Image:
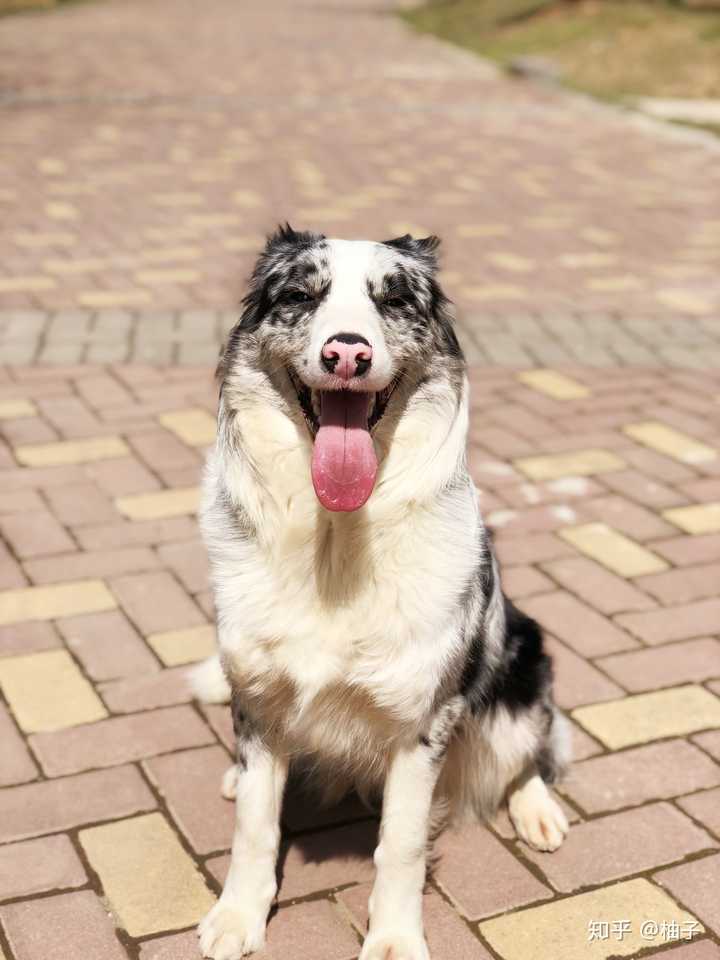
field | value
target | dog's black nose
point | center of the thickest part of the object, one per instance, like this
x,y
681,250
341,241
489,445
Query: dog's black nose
x,y
347,355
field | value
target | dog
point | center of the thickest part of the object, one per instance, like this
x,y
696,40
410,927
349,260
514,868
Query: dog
x,y
362,627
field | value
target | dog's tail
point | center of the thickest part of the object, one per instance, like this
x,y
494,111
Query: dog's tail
x,y
208,683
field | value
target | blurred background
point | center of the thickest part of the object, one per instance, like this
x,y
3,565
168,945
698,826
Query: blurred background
x,y
567,154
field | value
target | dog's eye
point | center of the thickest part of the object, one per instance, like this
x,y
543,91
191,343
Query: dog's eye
x,y
396,302
296,296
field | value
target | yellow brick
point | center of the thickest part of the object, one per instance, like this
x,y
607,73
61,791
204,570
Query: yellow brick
x,y
613,550
318,214
651,716
114,298
244,244
496,291
512,262
578,260
47,691
554,384
559,930
148,879
184,646
658,436
12,409
247,198
76,266
194,425
71,451
154,277
400,227
51,165
701,518
34,240
685,301
58,600
578,463
21,284
163,503
61,211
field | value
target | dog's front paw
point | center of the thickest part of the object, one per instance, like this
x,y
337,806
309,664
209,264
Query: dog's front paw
x,y
538,819
394,946
229,933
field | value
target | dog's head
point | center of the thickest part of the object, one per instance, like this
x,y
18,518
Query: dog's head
x,y
338,326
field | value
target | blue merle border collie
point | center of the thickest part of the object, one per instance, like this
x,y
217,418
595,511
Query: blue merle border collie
x,y
363,632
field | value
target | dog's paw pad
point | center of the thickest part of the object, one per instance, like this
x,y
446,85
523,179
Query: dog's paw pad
x,y
394,947
228,934
539,821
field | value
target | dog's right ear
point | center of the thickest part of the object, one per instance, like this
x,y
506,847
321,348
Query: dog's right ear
x,y
280,248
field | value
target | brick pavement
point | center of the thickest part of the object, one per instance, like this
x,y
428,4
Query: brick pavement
x,y
581,246
603,487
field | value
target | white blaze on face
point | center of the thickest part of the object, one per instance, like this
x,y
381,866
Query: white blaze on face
x,y
344,463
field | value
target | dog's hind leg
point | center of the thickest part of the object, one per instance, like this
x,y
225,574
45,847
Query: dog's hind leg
x,y
395,907
236,924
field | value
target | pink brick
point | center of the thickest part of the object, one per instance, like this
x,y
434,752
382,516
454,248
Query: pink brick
x,y
155,602
189,563
703,491
687,662
161,450
19,501
646,489
122,477
81,503
103,391
703,950
448,937
119,740
576,624
88,565
320,861
658,771
162,689
533,548
696,885
686,551
35,866
481,876
657,465
71,417
710,742
11,574
578,682
67,927
596,586
220,720
27,430
683,586
107,645
54,805
21,479
190,783
629,518
704,807
35,534
620,845
673,623
22,638
17,765
582,744
143,532
524,581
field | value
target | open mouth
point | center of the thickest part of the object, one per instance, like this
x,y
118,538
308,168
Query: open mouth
x,y
344,464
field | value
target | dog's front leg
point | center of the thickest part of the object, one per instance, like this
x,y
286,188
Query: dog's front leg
x,y
395,907
236,924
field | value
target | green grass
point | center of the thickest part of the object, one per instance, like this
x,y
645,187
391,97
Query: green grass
x,y
610,48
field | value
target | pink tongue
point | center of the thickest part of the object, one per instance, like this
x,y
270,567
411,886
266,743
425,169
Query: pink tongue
x,y
344,464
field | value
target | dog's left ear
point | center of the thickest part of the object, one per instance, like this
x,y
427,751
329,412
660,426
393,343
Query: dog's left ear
x,y
424,249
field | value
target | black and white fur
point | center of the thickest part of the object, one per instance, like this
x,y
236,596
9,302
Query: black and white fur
x,y
375,647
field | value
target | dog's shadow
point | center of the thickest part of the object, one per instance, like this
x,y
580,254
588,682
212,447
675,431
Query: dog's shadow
x,y
327,845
